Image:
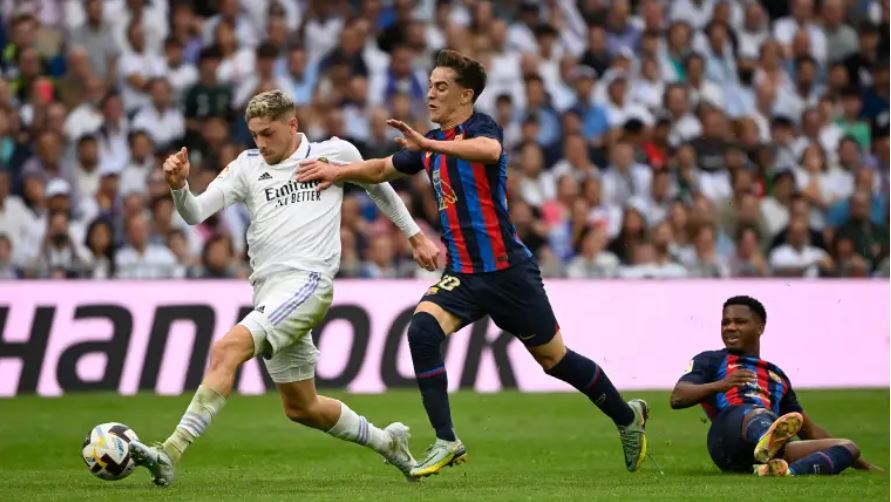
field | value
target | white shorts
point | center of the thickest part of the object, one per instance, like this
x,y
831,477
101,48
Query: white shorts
x,y
285,311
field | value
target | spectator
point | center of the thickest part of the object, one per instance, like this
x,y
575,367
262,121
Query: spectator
x,y
864,181
536,184
775,207
86,168
702,90
850,122
867,56
100,247
8,270
850,263
647,265
797,257
870,240
633,232
97,38
180,73
841,39
300,74
217,259
593,260
60,256
15,219
139,66
656,204
140,259
819,184
86,117
624,178
748,261
135,176
163,121
264,79
706,262
398,78
237,60
113,133
209,97
575,161
531,230
47,161
380,261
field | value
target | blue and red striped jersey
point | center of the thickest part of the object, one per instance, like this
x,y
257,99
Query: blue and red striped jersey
x,y
472,198
772,391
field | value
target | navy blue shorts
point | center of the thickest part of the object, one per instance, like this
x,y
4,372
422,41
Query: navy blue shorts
x,y
514,298
727,444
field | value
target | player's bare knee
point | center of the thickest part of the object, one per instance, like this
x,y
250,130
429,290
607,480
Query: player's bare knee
x,y
306,414
549,354
851,447
547,361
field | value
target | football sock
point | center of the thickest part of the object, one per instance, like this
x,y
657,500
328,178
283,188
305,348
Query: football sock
x,y
586,376
758,426
357,429
205,405
829,461
424,340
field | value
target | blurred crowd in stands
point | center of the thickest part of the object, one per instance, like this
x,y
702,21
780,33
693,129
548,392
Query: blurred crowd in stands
x,y
646,139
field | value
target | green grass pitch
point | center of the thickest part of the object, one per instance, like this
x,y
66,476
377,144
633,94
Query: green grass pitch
x,y
521,446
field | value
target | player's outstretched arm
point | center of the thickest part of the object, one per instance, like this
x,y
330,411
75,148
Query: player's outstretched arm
x,y
366,172
687,394
193,209
479,149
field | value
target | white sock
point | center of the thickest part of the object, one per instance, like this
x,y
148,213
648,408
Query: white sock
x,y
357,429
205,405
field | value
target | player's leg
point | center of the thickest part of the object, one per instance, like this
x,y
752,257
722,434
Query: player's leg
x,y
302,404
226,355
816,456
726,445
519,304
768,433
292,369
429,326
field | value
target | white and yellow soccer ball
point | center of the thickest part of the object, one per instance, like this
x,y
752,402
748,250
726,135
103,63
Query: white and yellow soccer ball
x,y
106,451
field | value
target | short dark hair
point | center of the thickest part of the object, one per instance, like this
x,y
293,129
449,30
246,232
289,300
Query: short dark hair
x,y
469,73
754,305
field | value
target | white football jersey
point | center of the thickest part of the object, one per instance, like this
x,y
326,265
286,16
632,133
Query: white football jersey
x,y
292,226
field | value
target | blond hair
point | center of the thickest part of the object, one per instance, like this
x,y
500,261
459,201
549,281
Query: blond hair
x,y
270,104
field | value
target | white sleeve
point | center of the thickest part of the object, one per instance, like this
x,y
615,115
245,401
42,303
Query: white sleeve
x,y
223,191
383,195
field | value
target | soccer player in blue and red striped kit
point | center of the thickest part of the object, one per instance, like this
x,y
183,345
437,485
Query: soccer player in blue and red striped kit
x,y
489,270
752,407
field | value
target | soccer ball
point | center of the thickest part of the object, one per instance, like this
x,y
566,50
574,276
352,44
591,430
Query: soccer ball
x,y
106,451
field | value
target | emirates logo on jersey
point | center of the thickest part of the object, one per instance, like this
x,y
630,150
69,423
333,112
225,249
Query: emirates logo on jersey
x,y
293,192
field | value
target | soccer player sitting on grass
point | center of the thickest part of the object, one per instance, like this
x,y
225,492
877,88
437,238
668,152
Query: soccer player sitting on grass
x,y
753,409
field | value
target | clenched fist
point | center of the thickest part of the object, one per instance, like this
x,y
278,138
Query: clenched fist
x,y
176,169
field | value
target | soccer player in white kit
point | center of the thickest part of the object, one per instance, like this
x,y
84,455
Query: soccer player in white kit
x,y
294,249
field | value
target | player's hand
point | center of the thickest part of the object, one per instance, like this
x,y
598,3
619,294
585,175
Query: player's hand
x,y
737,378
176,169
424,251
411,139
316,170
